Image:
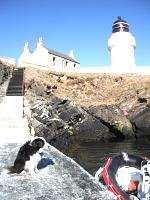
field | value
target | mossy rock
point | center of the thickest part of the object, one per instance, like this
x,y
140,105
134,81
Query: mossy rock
x,y
126,129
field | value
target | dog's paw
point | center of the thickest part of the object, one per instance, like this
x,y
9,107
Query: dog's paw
x,y
36,170
33,174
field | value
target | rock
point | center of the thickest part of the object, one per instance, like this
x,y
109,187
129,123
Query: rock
x,y
114,118
139,114
92,129
36,88
5,72
142,100
60,121
140,117
59,178
56,134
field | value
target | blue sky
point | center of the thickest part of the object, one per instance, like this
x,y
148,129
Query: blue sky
x,y
81,25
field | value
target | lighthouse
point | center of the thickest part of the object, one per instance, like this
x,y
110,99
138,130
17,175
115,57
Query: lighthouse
x,y
121,45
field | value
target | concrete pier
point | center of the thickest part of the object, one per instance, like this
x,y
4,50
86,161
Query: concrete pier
x,y
13,126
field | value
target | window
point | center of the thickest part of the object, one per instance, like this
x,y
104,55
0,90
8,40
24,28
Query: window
x,y
66,63
54,59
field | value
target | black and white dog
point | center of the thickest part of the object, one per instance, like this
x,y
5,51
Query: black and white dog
x,y
29,156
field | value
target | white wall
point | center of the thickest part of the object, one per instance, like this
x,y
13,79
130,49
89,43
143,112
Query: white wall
x,y
122,45
143,70
42,57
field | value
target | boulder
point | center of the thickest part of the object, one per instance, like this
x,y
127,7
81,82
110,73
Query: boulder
x,y
113,117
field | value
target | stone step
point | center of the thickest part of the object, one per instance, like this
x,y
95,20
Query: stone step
x,y
14,93
15,87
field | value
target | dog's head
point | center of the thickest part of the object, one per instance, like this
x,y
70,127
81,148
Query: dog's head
x,y
39,144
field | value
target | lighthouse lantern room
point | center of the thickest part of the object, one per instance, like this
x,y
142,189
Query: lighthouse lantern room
x,y
121,45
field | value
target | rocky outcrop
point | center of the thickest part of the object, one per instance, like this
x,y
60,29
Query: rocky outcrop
x,y
59,178
106,106
5,72
61,121
139,115
114,118
136,105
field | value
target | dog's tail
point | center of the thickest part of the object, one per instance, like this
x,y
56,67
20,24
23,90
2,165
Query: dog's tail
x,y
5,170
13,170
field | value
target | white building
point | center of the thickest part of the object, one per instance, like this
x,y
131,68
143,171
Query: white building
x,y
121,45
46,58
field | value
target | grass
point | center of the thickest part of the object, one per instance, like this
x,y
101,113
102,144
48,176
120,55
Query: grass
x,y
88,89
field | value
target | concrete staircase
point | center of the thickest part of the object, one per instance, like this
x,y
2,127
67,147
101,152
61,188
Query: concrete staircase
x,y
15,87
13,126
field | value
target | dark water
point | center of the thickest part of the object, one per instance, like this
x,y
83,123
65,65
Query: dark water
x,y
92,155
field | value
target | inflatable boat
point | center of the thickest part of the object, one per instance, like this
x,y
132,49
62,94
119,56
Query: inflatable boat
x,y
126,176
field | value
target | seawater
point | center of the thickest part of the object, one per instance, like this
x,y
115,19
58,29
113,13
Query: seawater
x,y
92,155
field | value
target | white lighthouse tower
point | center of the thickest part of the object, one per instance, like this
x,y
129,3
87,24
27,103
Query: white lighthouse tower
x,y
121,45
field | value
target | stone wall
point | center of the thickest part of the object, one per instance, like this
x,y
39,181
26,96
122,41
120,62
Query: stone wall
x,y
8,61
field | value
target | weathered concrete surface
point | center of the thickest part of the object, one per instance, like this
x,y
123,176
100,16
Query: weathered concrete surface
x,y
59,178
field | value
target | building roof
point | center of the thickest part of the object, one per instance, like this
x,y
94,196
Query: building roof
x,y
50,51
